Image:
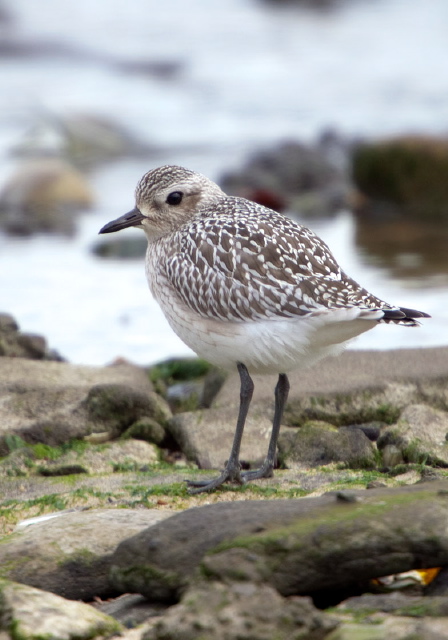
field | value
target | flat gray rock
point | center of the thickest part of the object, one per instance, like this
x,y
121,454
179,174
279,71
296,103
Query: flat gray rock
x,y
69,554
352,370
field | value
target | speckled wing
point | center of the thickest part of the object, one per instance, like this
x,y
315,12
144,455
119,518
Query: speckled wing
x,y
252,263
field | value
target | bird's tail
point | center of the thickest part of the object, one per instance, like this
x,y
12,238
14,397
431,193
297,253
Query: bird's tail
x,y
403,316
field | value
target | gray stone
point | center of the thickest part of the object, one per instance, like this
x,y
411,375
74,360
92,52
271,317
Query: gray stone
x,y
317,444
120,405
392,628
53,402
206,436
398,603
146,429
14,343
391,456
8,323
420,375
42,196
69,554
295,177
29,614
213,383
130,609
420,435
241,611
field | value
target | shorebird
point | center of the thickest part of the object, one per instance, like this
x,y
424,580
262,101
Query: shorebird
x,y
246,287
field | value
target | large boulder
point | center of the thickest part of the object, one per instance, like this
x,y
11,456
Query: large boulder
x,y
54,402
290,544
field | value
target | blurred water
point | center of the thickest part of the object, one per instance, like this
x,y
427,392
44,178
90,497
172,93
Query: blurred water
x,y
251,74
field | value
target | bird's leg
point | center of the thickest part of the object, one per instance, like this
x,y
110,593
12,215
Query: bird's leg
x,y
232,471
281,397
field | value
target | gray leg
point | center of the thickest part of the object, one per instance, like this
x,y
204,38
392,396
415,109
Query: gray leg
x,y
232,471
281,397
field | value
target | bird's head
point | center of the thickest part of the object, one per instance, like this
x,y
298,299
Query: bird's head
x,y
165,199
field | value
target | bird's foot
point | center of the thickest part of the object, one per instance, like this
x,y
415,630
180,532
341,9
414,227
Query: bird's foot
x,y
231,473
265,471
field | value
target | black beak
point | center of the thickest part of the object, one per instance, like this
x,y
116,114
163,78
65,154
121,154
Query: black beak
x,y
132,219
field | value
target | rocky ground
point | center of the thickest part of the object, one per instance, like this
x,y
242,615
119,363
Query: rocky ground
x,y
101,538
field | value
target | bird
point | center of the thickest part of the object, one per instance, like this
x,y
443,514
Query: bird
x,y
246,288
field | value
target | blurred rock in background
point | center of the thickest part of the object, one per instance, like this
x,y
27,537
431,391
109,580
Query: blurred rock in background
x,y
405,175
311,180
44,195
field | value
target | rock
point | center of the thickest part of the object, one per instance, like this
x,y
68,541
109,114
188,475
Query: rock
x,y
408,620
354,391
146,429
129,609
318,443
69,554
290,544
420,435
379,627
29,614
398,603
238,610
404,175
293,177
391,456
15,344
206,436
42,196
118,406
54,402
184,396
371,429
374,539
115,456
86,140
213,383
184,382
398,376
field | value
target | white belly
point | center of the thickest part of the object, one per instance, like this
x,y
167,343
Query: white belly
x,y
267,346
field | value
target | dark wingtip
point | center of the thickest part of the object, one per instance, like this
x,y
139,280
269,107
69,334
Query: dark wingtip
x,y
413,313
394,314
404,316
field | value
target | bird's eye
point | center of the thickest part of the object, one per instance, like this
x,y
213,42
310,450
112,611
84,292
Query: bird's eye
x,y
175,197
